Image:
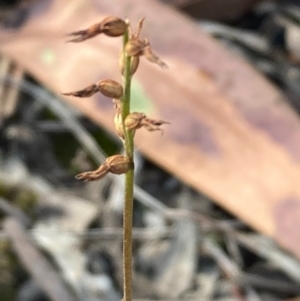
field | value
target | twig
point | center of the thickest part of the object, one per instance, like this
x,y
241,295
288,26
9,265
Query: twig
x,y
248,280
227,265
230,269
110,233
267,249
279,286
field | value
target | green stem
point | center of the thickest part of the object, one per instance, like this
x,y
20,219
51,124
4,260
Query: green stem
x,y
129,182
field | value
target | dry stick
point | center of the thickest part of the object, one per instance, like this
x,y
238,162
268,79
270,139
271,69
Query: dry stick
x,y
37,265
139,234
230,269
267,249
129,180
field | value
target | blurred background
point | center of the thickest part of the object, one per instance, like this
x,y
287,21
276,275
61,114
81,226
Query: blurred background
x,y
217,196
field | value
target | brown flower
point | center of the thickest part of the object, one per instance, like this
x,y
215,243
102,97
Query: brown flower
x,y
119,164
110,88
137,120
136,47
110,26
116,164
107,87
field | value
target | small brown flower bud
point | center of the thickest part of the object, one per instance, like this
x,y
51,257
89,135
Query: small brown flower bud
x,y
119,125
113,27
107,87
116,164
133,120
119,164
137,120
135,47
110,26
134,63
110,88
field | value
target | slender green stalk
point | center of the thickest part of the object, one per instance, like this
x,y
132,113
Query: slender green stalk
x,y
129,182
